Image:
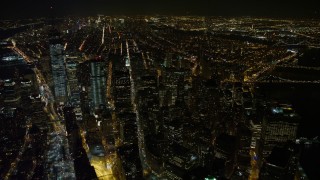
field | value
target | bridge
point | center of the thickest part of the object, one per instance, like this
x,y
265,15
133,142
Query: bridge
x,y
272,79
268,67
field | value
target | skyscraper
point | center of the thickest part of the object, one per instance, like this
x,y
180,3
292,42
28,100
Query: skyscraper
x,y
97,92
73,87
58,68
280,125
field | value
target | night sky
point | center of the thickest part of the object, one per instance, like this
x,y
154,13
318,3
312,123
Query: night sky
x,y
265,8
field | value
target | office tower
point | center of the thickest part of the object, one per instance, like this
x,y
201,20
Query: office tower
x,y
256,128
83,75
35,109
58,68
73,87
168,60
28,82
128,128
122,91
225,146
147,97
131,164
163,100
224,153
106,128
244,136
173,78
16,79
280,164
11,93
9,58
309,158
279,125
97,91
83,169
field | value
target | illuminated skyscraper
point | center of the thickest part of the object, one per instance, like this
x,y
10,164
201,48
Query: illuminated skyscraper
x,y
72,88
58,68
280,125
97,92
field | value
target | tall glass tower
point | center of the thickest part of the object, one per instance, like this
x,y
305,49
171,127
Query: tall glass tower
x,y
98,84
58,68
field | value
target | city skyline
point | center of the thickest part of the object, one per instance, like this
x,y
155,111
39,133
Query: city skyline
x,y
117,90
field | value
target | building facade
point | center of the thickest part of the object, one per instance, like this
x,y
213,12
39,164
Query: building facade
x,y
58,68
97,92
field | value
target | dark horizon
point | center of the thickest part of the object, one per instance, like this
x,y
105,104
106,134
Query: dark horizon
x,y
17,9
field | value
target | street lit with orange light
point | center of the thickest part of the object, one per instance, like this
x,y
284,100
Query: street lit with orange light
x,y
254,173
57,137
102,167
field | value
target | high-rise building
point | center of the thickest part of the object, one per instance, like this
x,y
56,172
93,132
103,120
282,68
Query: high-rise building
x,y
244,137
122,91
279,125
280,164
131,164
58,68
106,128
168,60
128,128
97,92
11,93
73,87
